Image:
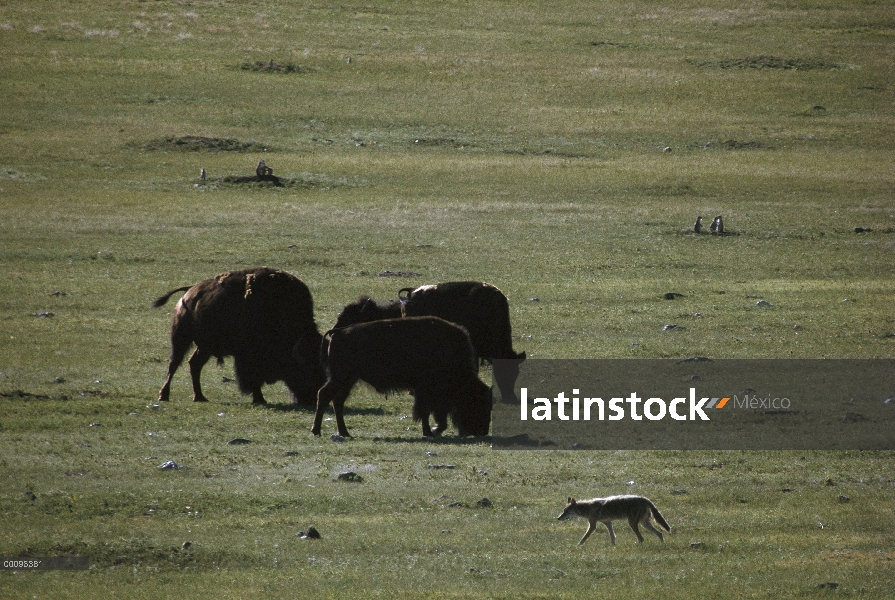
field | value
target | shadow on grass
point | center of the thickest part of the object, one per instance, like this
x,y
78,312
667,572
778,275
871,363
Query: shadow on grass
x,y
446,440
289,407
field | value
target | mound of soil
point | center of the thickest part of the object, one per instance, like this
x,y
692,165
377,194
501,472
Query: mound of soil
x,y
770,62
741,145
258,179
194,143
274,67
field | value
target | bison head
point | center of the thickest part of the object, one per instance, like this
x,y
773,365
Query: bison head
x,y
365,310
473,413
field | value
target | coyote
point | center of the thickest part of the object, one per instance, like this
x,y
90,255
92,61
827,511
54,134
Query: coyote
x,y
636,509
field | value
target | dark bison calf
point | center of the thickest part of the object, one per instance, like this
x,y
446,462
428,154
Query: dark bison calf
x,y
479,307
263,318
427,355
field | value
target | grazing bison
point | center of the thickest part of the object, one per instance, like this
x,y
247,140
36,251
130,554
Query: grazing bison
x,y
427,355
485,313
365,310
479,307
263,318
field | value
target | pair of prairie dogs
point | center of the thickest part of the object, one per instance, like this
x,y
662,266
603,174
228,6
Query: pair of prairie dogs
x,y
717,225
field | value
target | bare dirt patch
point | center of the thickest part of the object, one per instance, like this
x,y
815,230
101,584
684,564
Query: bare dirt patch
x,y
271,66
770,62
194,143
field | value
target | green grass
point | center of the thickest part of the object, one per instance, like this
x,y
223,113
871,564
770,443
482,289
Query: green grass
x,y
515,143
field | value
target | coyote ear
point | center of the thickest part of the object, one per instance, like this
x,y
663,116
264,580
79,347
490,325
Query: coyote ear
x,y
571,500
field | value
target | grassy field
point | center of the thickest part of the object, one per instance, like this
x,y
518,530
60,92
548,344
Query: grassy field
x,y
560,151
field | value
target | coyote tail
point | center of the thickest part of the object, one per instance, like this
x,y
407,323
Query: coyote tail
x,y
659,518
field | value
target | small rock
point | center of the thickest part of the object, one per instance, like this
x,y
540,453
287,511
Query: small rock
x,y
671,326
862,230
678,492
169,464
337,438
43,315
290,453
630,482
763,303
843,499
832,585
697,545
442,466
59,380
445,531
673,295
666,149
310,534
96,424
455,504
484,503
186,545
350,476
238,442
535,299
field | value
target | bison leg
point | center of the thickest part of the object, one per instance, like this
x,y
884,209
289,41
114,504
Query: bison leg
x,y
505,372
440,423
335,394
257,396
422,408
197,361
179,346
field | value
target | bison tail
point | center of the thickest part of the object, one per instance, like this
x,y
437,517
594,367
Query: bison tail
x,y
404,291
163,299
324,346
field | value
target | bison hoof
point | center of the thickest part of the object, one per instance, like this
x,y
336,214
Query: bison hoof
x,y
200,399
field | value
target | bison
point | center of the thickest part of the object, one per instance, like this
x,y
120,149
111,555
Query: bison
x,y
263,318
427,355
479,307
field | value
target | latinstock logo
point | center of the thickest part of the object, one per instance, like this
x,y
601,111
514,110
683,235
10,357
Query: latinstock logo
x,y
735,404
633,407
